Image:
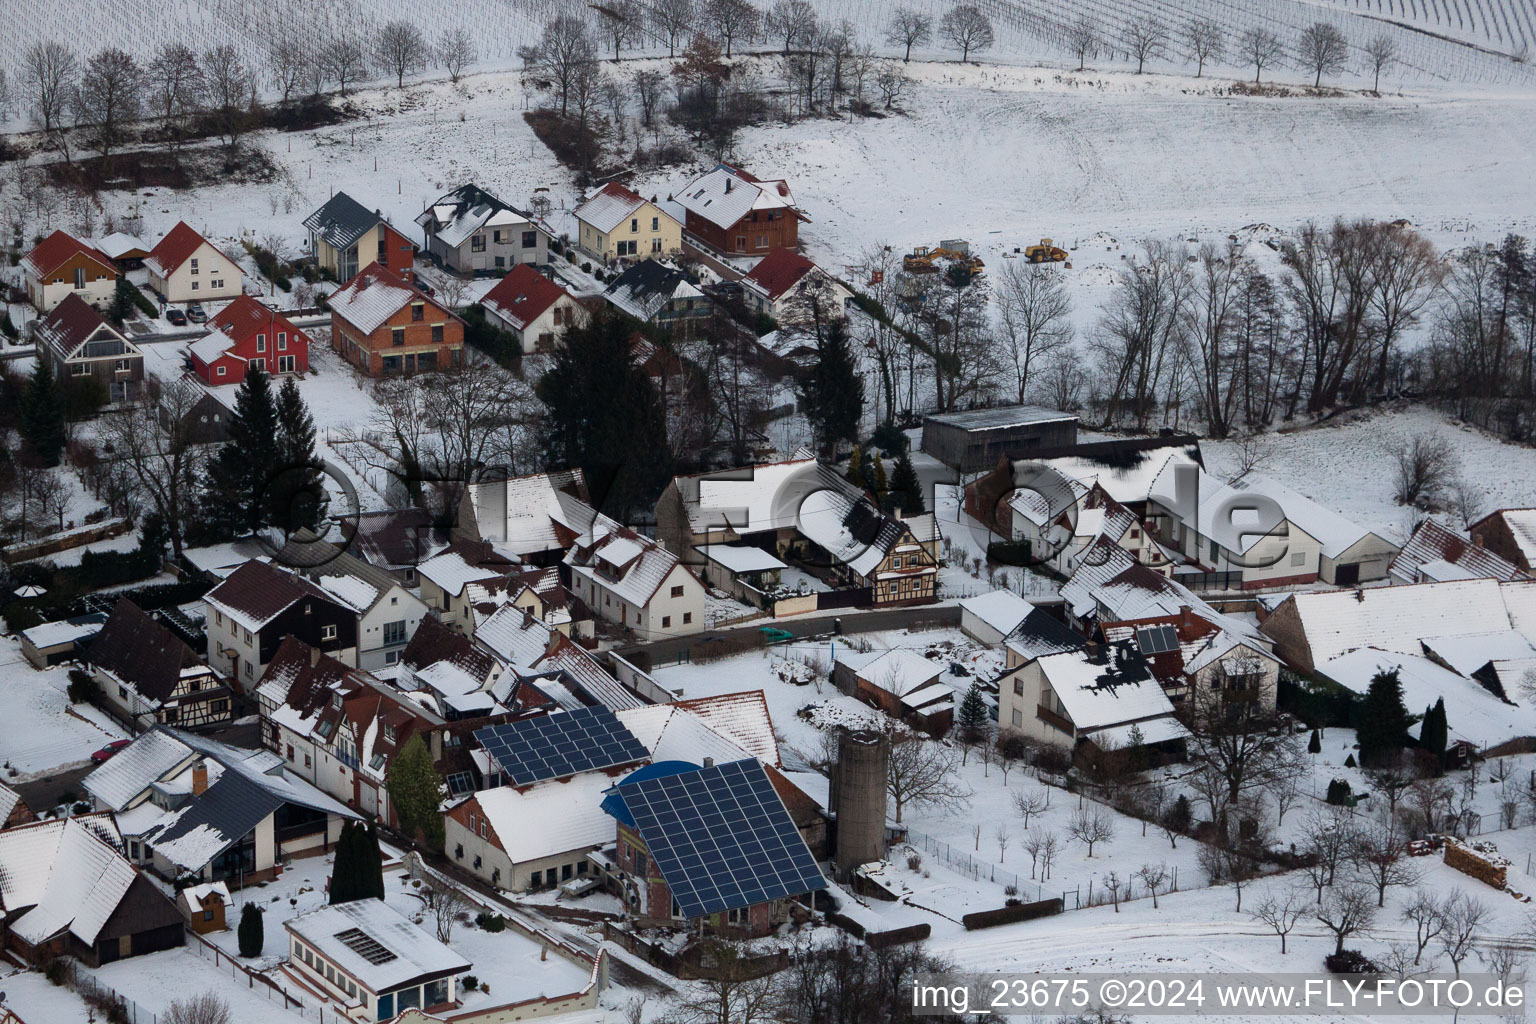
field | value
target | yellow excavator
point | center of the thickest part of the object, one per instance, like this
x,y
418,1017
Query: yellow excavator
x,y
1045,252
923,259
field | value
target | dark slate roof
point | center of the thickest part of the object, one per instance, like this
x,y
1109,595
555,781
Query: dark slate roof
x,y
230,808
1040,634
1121,453
341,221
141,652
69,325
648,277
435,641
261,592
397,537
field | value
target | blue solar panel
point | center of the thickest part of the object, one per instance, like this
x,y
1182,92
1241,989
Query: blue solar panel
x,y
554,746
721,838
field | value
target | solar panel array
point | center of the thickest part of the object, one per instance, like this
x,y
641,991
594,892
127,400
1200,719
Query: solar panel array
x,y
554,746
365,946
722,838
1157,639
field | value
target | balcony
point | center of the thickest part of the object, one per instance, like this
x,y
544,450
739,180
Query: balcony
x,y
347,759
1059,722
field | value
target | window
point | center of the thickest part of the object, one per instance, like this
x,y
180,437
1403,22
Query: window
x,y
282,340
1018,717
290,751
655,223
477,244
687,617
219,706
384,251
194,264
285,364
736,915
896,562
194,284
1018,687
386,1006
437,333
80,370
222,370
666,622
216,283
677,591
122,692
257,364
247,636
394,632
1215,552
634,224
535,879
261,343
328,632
458,851
418,311
655,245
530,239
247,670
483,829
496,236
79,278
1299,558
397,337
389,733
762,241
566,871
501,261
640,863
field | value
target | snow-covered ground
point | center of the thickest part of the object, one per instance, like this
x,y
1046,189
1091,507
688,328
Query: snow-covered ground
x,y
43,730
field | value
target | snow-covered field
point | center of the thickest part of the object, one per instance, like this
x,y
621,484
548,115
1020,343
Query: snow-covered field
x,y
43,730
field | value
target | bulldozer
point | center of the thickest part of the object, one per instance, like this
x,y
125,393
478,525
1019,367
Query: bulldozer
x,y
1045,252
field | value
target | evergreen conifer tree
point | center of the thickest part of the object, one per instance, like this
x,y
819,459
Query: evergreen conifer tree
x,y
906,489
1434,732
973,714
295,496
855,472
42,415
416,790
368,842
234,490
1383,719
251,933
1315,744
834,391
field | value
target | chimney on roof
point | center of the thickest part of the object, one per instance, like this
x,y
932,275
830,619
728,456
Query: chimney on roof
x,y
554,641
527,617
1186,618
727,185
314,656
709,762
199,778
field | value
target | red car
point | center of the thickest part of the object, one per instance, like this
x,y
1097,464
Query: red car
x,y
109,751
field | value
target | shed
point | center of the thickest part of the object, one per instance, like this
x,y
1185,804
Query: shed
x,y
205,907
990,618
976,440
741,570
900,682
53,642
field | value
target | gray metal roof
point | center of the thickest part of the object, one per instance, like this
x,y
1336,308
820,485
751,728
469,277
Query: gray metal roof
x,y
1005,416
341,221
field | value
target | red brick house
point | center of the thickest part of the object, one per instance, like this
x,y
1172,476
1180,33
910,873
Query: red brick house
x,y
386,326
247,333
736,213
62,265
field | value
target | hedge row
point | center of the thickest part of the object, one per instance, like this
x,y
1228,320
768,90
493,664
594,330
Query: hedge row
x,y
1008,915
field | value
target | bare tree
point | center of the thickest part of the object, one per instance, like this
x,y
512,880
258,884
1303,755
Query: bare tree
x,y
731,994
1284,792
157,440
732,20
1381,857
1235,740
1083,37
1380,54
1392,780
447,902
891,82
231,96
1091,826
288,58
794,21
649,86
49,72
1146,38
174,80
1036,313
966,29
1462,917
909,28
52,496
343,61
1328,837
1279,914
1422,465
1003,838
400,47
1034,842
6,99
1428,919
455,51
1430,800
920,772
1345,911
1154,877
561,52
1203,41
1113,883
1050,846
1322,48
108,97
673,20
1260,48
1029,802
207,1008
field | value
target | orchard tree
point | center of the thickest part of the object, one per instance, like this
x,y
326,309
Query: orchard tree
x,y
909,28
1322,49
1380,53
732,20
1146,38
108,96
966,29
794,21
1083,37
1260,48
456,51
49,73
232,95
1203,42
400,48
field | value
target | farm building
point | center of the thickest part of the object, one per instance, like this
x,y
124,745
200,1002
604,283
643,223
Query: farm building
x,y
976,440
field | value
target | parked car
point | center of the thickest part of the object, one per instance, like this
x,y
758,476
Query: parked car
x,y
176,317
109,751
195,313
771,635
422,285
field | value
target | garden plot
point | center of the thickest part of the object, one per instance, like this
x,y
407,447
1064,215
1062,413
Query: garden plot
x,y
44,731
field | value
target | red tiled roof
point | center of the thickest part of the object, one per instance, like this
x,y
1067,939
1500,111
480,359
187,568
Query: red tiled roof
x,y
523,295
618,191
58,247
175,248
780,271
245,316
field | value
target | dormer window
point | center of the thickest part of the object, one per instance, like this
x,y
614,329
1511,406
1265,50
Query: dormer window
x,y
336,701
389,733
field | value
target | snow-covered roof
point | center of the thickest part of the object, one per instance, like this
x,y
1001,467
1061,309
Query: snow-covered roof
x,y
196,894
529,514
741,717
1002,610
1522,528
724,195
1127,479
1113,687
1474,714
466,210
1041,634
68,871
549,818
1397,618
120,243
608,207
1468,652
340,933
134,769
645,288
726,728
533,650
372,297
900,671
757,498
621,561
739,557
1435,553
351,590
1155,730
51,634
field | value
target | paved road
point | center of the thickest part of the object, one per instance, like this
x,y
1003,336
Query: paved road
x,y
667,652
